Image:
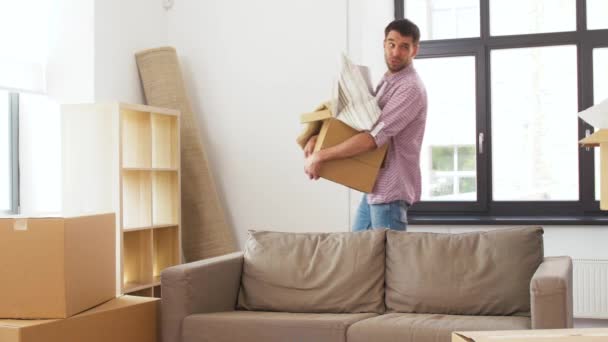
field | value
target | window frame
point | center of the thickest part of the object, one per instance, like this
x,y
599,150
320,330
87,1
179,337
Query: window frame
x,y
485,210
13,116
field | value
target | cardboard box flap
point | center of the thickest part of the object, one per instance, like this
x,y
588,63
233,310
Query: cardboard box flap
x,y
595,139
313,123
460,337
23,323
22,223
118,304
566,335
315,116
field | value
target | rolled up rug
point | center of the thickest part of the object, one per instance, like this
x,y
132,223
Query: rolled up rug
x,y
205,231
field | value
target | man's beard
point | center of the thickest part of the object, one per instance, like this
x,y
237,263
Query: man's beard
x,y
398,68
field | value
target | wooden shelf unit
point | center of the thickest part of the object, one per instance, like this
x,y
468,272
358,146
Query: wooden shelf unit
x,y
124,158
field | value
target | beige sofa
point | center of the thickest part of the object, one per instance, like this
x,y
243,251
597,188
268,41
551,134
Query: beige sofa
x,y
378,285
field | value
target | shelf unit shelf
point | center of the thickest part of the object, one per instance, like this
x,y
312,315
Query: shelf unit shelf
x,y
165,253
125,158
136,199
165,203
136,138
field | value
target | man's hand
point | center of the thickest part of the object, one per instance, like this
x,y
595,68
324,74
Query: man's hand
x,y
312,166
310,146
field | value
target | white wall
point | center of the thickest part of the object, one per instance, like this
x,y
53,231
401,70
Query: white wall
x,y
69,78
123,28
93,45
70,69
252,67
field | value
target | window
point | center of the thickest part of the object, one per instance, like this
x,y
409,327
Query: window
x,y
596,14
531,16
25,34
501,141
452,173
534,124
453,105
442,19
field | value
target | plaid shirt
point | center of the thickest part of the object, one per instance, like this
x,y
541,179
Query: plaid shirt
x,y
402,98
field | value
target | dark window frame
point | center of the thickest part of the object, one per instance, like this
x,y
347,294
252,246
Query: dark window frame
x,y
586,210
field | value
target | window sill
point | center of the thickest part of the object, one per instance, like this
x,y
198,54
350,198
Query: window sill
x,y
591,220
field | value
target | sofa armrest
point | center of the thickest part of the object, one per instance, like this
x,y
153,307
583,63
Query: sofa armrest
x,y
209,285
551,294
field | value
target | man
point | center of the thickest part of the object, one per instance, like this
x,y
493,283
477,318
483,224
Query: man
x,y
402,97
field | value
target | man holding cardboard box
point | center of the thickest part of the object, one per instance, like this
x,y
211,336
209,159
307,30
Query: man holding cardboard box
x,y
402,97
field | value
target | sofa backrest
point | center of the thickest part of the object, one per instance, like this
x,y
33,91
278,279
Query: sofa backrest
x,y
481,273
314,272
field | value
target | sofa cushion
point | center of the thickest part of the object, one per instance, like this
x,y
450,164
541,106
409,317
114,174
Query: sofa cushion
x,y
314,272
480,273
268,326
405,327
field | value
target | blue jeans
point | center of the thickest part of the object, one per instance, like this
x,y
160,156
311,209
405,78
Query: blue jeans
x,y
391,215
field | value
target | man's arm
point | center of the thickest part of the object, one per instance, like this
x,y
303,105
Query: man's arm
x,y
352,146
359,143
402,108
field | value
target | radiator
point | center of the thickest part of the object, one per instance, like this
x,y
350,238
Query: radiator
x,y
590,288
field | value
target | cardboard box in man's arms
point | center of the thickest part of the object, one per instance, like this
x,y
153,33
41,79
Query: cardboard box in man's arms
x,y
358,172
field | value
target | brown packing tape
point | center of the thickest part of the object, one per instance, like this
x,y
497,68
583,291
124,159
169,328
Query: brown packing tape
x,y
20,225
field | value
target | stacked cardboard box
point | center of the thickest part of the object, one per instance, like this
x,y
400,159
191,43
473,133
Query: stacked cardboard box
x,y
58,283
358,172
123,319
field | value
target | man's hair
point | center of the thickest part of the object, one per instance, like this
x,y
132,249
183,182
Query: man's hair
x,y
405,27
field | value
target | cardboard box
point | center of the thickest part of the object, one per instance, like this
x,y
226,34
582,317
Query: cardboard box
x,y
56,267
559,335
123,319
597,116
600,138
358,172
